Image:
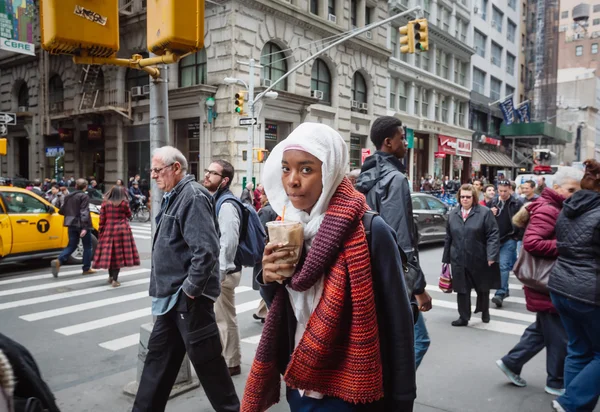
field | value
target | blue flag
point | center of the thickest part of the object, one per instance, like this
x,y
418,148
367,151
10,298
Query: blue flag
x,y
508,110
524,112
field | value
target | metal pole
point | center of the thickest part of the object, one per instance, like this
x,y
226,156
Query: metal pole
x,y
159,129
249,165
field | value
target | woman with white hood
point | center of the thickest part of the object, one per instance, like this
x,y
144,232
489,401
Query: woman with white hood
x,y
340,330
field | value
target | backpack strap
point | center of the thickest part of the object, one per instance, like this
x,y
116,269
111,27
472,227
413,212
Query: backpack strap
x,y
240,208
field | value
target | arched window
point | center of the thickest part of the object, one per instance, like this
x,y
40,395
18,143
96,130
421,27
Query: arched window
x,y
56,93
359,88
192,69
23,96
274,64
321,80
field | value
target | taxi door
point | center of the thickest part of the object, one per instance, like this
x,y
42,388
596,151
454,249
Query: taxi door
x,y
5,231
31,223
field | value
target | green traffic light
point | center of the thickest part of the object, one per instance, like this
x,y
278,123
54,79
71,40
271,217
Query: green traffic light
x,y
238,109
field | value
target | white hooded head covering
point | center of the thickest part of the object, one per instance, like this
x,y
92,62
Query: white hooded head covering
x,y
329,147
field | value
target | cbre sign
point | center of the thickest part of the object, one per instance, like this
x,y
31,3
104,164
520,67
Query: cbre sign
x,y
16,46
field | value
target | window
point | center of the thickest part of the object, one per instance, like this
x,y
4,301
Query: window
x,y
417,60
445,104
359,88
460,70
436,111
418,203
463,74
393,91
510,64
417,96
478,81
495,87
497,17
579,51
594,48
596,22
463,31
23,203
314,6
426,8
510,90
192,69
564,14
56,94
511,31
356,145
23,96
321,79
496,55
425,61
425,103
445,70
368,12
353,6
434,204
459,114
274,64
596,8
480,41
512,4
438,61
137,78
394,42
483,5
331,7
402,96
446,19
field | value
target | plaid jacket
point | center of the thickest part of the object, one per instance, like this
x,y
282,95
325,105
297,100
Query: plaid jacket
x,y
116,246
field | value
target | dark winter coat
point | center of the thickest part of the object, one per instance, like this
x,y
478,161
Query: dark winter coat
x,y
116,247
247,197
470,244
576,273
76,210
385,186
394,318
513,205
540,240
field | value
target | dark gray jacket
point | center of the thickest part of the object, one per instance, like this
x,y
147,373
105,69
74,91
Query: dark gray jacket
x,y
185,248
386,188
576,273
76,210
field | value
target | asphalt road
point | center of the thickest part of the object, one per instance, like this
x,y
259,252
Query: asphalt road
x,y
84,336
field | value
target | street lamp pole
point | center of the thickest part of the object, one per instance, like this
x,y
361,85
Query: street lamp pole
x,y
249,156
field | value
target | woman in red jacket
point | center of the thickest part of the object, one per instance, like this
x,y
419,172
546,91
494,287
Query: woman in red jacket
x,y
547,331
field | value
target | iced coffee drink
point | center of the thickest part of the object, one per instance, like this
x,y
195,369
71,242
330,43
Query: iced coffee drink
x,y
291,235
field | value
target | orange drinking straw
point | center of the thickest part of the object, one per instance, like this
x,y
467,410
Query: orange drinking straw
x,y
283,214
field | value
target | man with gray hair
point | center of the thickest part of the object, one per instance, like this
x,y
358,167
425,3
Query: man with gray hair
x,y
184,285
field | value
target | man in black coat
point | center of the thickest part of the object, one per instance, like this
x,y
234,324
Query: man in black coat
x,y
386,188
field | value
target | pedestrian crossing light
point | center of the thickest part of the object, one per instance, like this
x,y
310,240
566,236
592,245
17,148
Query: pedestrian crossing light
x,y
3,150
421,35
239,103
407,41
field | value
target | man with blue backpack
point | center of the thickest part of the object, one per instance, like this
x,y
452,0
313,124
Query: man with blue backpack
x,y
242,241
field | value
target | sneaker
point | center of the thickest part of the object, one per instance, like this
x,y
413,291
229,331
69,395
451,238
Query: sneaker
x,y
556,407
109,280
115,284
512,377
55,265
554,391
497,300
88,272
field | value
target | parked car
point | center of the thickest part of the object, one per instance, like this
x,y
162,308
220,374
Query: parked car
x,y
31,228
430,215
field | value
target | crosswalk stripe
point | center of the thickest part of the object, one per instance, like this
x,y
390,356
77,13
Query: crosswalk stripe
x,y
121,343
84,306
514,299
77,281
499,326
253,340
146,231
38,277
247,307
141,237
71,294
493,312
104,322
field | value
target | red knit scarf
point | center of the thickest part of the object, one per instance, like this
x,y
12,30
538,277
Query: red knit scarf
x,y
338,354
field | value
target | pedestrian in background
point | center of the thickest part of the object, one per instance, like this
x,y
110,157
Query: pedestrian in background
x,y
478,185
489,194
547,331
575,290
120,182
472,249
116,247
541,185
528,191
257,195
248,195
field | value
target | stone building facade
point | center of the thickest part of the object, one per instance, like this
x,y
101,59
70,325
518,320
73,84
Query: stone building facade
x,y
100,116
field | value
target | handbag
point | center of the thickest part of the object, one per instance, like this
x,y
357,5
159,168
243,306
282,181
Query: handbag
x,y
445,282
533,271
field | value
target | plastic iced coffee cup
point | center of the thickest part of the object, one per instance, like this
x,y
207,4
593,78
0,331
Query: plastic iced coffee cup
x,y
291,236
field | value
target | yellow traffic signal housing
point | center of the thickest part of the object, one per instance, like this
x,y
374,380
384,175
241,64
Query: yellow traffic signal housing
x,y
89,27
239,103
421,35
407,41
3,147
175,26
261,155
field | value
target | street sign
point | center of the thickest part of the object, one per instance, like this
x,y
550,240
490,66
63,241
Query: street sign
x,y
55,151
3,130
248,121
8,118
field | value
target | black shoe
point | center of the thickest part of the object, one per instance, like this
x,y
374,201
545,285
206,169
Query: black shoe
x,y
460,322
497,300
255,316
485,317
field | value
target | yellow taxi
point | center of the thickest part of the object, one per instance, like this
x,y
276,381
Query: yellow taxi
x,y
31,228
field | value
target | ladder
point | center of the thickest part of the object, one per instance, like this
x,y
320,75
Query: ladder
x,y
88,80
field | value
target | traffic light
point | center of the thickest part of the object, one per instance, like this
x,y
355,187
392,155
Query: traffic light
x,y
175,26
408,38
77,27
421,35
3,149
261,155
239,103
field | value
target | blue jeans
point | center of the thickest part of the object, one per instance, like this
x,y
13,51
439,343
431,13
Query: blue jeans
x,y
305,404
422,340
508,258
582,366
72,246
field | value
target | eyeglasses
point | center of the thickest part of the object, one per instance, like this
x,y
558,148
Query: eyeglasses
x,y
157,170
212,173
466,197
504,183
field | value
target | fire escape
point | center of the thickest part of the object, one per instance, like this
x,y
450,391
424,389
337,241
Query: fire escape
x,y
95,99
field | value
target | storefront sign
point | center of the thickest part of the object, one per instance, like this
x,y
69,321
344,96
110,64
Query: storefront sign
x,y
410,138
270,131
364,153
488,140
17,26
17,46
55,151
476,166
439,155
95,132
66,135
458,164
446,144
464,147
